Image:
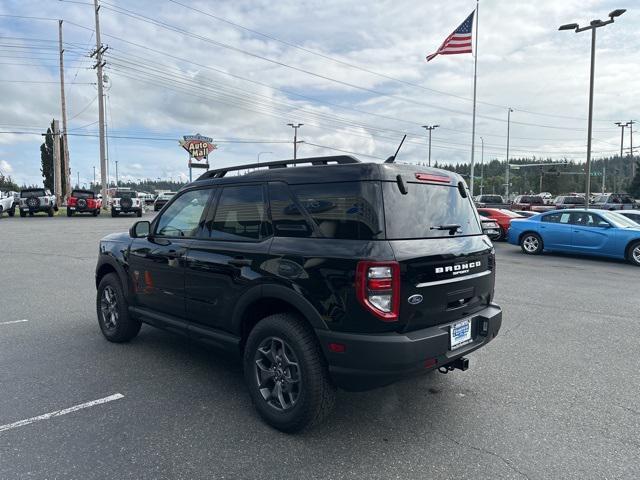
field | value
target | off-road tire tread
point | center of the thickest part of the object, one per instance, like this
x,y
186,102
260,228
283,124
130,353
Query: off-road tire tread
x,y
128,327
320,392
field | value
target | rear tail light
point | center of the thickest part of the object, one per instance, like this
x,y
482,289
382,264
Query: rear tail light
x,y
378,288
432,177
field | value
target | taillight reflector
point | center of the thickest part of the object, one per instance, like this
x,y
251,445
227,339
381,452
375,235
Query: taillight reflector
x,y
337,347
432,177
378,288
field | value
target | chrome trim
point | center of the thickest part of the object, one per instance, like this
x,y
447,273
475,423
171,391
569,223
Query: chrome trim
x,y
452,280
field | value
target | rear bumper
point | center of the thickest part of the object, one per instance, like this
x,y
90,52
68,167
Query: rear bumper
x,y
371,361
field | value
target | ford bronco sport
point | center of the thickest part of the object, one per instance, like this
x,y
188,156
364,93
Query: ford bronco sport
x,y
337,274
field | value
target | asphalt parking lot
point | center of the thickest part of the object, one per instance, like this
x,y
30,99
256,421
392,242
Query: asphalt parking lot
x,y
554,396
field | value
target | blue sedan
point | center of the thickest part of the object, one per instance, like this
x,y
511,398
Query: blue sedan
x,y
590,232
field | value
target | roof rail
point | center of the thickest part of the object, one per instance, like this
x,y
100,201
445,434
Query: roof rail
x,y
338,159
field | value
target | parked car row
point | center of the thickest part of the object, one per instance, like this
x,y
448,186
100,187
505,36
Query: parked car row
x,y
544,202
30,201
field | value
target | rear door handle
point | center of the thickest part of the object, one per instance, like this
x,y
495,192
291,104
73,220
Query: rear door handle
x,y
240,262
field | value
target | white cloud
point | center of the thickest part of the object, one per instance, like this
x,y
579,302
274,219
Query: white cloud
x,y
524,62
5,167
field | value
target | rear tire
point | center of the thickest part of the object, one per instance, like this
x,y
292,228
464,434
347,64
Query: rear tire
x,y
286,374
50,212
1,211
12,211
69,213
633,254
112,308
23,214
139,213
31,214
95,213
114,213
531,244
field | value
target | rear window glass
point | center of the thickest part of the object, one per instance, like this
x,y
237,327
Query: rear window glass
x,y
344,210
573,200
125,194
32,193
77,194
531,199
427,210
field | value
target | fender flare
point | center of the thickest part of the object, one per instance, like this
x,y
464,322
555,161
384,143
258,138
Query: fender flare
x,y
277,292
107,258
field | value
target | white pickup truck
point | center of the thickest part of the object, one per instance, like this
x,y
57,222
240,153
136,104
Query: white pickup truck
x,y
33,200
7,204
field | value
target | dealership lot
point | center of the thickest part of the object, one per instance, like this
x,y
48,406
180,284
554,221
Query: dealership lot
x,y
554,396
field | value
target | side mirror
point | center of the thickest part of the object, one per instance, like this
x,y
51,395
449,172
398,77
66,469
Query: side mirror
x,y
140,229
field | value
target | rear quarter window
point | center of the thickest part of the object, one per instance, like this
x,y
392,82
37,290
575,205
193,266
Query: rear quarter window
x,y
340,210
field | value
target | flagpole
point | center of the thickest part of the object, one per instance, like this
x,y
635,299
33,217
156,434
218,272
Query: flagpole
x,y
473,128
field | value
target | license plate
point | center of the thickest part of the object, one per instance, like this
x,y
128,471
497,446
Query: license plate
x,y
460,334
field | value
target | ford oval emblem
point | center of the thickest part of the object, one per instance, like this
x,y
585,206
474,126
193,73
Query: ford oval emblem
x,y
415,299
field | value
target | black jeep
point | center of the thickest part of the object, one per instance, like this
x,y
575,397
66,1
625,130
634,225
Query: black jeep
x,y
337,274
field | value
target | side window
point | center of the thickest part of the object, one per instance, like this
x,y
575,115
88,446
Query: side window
x,y
551,218
344,210
182,218
240,214
288,221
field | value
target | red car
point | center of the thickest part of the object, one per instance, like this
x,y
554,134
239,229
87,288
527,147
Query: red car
x,y
502,216
83,201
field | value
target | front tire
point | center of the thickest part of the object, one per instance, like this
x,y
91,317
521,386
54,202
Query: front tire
x,y
286,374
69,213
50,212
12,211
531,244
139,213
633,254
23,214
112,308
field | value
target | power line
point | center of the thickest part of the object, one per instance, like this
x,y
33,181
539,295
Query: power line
x,y
358,67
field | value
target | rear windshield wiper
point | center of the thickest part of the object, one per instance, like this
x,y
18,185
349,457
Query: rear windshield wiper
x,y
453,228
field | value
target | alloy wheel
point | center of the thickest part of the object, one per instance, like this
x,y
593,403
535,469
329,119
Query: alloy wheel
x,y
109,308
636,254
531,244
277,373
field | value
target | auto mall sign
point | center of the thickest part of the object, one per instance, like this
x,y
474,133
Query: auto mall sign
x,y
199,148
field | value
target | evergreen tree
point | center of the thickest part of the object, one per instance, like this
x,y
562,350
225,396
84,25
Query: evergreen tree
x,y
634,188
46,158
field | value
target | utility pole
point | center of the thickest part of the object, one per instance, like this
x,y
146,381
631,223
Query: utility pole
x,y
430,128
622,127
57,177
64,164
100,49
506,176
78,172
116,173
482,166
633,163
295,138
94,174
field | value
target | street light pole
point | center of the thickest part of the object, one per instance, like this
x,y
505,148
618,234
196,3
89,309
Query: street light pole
x,y
506,175
592,26
94,174
261,153
295,138
116,173
430,128
482,166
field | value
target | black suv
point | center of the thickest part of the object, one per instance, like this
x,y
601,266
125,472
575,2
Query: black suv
x,y
340,273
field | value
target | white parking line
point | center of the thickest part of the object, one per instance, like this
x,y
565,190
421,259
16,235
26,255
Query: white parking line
x,y
14,321
57,413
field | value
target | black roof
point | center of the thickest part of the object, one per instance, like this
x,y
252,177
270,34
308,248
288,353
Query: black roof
x,y
82,190
318,170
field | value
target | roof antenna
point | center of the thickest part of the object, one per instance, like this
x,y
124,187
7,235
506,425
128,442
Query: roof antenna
x,y
392,158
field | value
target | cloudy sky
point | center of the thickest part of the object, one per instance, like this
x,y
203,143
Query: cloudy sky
x,y
352,72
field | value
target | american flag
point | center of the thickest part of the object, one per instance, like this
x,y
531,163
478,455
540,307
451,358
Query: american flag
x,y
459,41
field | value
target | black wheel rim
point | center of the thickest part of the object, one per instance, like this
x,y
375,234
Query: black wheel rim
x,y
109,308
277,373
